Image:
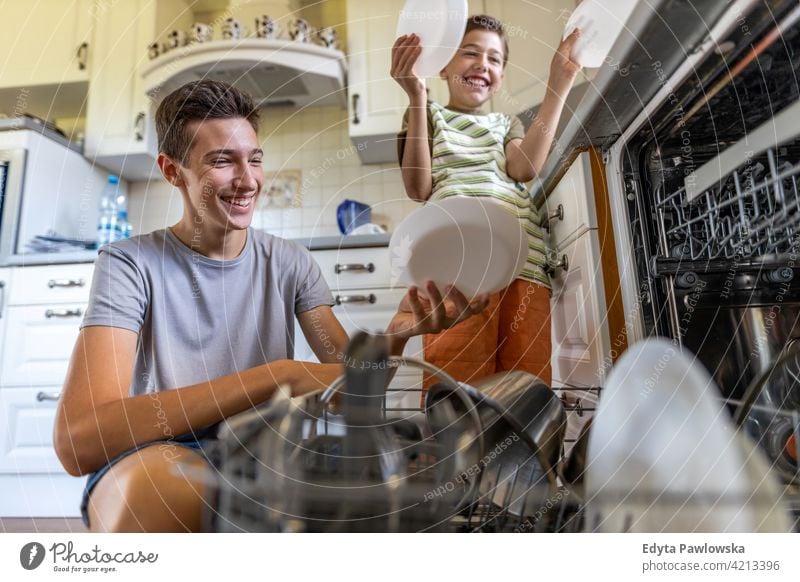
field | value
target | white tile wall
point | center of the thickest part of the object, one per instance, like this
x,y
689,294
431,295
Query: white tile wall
x,y
314,141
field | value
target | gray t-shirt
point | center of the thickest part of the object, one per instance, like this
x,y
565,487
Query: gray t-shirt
x,y
200,318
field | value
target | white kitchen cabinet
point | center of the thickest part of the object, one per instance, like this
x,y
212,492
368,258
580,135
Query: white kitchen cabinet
x,y
120,125
571,204
5,284
376,102
43,309
57,55
43,338
365,301
580,333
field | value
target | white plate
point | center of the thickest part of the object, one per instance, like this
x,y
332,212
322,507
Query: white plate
x,y
600,24
473,243
664,455
440,24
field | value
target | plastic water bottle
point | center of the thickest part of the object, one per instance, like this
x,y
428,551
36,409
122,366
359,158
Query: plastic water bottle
x,y
122,228
106,222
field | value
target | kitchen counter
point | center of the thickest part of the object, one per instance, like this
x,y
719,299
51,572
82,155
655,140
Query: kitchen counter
x,y
313,243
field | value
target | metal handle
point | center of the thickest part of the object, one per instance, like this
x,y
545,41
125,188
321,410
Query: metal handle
x,y
45,396
356,98
66,283
83,51
369,267
557,214
138,126
551,268
341,299
50,313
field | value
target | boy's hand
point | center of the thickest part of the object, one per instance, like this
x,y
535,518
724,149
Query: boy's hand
x,y
405,52
563,69
419,315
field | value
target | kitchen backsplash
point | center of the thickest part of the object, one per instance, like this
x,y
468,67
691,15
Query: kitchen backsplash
x,y
314,141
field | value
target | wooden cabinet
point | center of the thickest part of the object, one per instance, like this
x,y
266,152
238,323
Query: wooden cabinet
x,y
45,42
41,313
120,125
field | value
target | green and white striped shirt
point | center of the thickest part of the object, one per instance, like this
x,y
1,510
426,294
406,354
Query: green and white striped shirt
x,y
468,158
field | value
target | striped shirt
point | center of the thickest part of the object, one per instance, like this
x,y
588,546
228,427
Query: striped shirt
x,y
468,159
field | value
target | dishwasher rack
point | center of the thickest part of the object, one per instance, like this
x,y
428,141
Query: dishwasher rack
x,y
750,213
304,465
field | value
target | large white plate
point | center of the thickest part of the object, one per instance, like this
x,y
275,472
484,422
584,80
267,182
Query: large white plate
x,y
440,24
473,243
664,455
600,24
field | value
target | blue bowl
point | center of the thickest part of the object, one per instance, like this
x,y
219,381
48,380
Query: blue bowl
x,y
351,214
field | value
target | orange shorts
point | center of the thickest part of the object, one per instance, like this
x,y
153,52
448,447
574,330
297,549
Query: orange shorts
x,y
512,333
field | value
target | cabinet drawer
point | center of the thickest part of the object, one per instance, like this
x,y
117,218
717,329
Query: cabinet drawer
x,y
43,338
26,438
355,268
363,309
51,284
575,194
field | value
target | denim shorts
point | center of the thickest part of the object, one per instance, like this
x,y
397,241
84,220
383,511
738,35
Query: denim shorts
x,y
189,440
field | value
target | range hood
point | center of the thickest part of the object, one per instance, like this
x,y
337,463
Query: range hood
x,y
274,72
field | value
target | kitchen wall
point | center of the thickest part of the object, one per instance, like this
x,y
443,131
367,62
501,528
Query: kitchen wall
x,y
314,141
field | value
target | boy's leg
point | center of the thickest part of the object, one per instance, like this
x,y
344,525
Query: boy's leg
x,y
466,351
148,491
524,330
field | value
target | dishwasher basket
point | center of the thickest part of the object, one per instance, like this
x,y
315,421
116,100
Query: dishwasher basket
x,y
304,465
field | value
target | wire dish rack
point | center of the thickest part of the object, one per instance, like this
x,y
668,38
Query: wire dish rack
x,y
344,461
752,212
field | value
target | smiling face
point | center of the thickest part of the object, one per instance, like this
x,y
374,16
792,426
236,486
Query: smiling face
x,y
476,71
222,177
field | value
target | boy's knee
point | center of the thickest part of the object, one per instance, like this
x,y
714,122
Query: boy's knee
x,y
148,492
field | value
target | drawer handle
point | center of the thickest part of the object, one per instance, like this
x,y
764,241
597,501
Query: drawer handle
x,y
369,267
557,214
48,396
341,299
66,283
551,267
50,313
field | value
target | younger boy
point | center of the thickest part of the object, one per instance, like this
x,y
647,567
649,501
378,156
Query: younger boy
x,y
459,150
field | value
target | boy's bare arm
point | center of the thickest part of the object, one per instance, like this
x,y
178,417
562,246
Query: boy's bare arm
x,y
96,420
416,162
525,158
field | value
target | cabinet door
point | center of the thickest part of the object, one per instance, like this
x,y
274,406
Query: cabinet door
x,y
534,31
579,326
574,195
377,103
120,130
40,42
43,340
26,439
5,286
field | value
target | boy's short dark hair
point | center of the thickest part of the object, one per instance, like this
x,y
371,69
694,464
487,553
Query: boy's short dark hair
x,y
490,23
197,101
